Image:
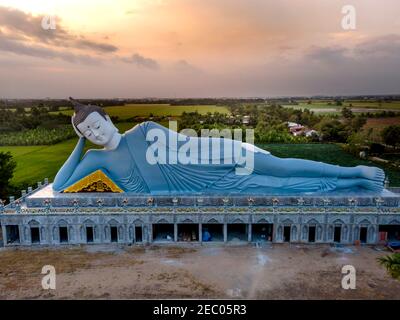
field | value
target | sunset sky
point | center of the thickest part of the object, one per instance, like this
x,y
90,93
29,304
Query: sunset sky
x,y
197,48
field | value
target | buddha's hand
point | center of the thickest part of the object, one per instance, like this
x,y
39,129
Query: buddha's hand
x,y
80,135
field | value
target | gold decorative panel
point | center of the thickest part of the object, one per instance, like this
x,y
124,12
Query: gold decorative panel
x,y
94,182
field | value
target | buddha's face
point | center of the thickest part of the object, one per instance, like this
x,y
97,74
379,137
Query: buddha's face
x,y
97,129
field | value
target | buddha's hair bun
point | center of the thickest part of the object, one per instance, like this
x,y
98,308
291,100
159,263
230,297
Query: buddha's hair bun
x,y
82,111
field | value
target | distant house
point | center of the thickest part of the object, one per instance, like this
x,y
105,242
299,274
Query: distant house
x,y
310,133
293,124
297,129
246,120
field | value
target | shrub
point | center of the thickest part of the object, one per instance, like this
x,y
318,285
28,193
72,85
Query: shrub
x,y
377,148
7,167
38,136
391,135
392,264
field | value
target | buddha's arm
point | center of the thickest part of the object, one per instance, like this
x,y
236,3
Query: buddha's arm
x,y
75,168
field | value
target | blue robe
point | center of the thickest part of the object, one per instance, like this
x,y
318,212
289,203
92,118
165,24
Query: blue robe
x,y
208,172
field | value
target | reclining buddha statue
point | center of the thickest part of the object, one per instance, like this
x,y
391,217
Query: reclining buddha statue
x,y
152,159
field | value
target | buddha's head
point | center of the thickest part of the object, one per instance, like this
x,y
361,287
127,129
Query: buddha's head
x,y
93,123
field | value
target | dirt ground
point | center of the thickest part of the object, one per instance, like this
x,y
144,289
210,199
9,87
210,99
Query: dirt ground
x,y
194,271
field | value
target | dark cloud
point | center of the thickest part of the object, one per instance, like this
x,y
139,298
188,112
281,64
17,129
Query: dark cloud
x,y
184,66
20,48
331,55
142,61
369,67
388,45
100,47
29,27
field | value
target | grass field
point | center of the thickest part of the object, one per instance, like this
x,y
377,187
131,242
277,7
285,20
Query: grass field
x,y
327,106
38,162
394,105
132,110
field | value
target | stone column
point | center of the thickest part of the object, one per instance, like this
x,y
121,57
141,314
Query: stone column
x,y
4,231
71,234
127,238
175,232
249,232
27,235
145,237
324,233
143,234
50,233
373,234
134,233
200,233
351,233
305,231
149,228
21,234
225,232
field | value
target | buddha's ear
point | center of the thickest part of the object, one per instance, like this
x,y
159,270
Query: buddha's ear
x,y
80,135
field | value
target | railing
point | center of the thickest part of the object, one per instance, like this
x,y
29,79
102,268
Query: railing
x,y
203,210
224,204
13,203
394,189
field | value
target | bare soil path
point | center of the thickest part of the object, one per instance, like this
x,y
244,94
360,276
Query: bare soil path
x,y
193,271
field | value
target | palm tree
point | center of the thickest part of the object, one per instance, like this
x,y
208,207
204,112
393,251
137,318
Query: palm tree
x,y
392,264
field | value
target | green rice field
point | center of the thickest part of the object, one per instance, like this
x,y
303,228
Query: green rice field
x,y
144,110
328,106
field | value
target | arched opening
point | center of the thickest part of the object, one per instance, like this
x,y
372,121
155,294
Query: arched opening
x,y
312,233
89,231
89,234
63,231
163,231
114,233
312,230
35,232
113,230
213,231
12,234
237,232
337,233
363,234
138,234
262,231
286,233
188,231
389,232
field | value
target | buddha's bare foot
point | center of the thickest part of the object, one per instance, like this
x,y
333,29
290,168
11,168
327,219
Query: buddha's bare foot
x,y
372,173
372,185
